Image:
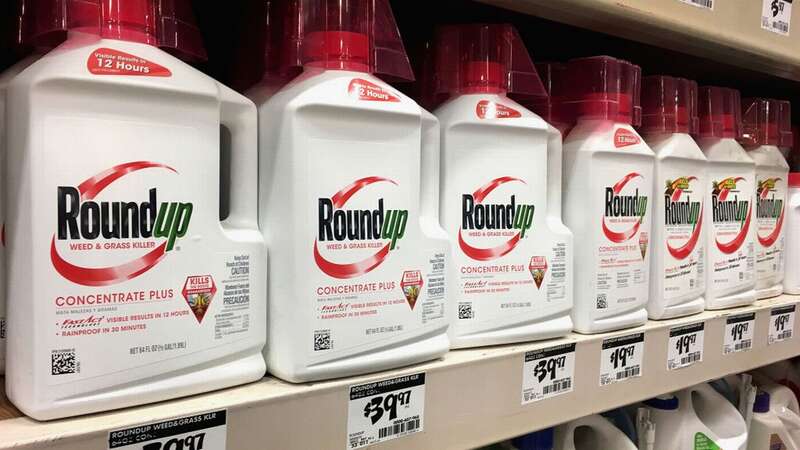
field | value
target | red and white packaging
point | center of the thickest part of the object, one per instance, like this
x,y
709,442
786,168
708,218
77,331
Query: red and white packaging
x,y
552,75
766,124
360,281
500,185
669,116
128,286
608,192
791,281
729,194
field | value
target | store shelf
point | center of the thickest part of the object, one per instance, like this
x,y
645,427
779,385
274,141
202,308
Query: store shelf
x,y
730,33
473,397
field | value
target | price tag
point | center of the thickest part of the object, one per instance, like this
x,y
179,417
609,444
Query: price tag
x,y
739,330
621,358
206,431
776,16
705,4
685,345
781,325
385,410
548,373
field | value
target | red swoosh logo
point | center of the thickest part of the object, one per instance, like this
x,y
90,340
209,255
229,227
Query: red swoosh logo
x,y
737,242
622,236
103,276
684,250
355,269
769,240
487,254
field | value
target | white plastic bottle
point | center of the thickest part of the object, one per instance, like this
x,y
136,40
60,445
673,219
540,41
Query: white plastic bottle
x,y
360,286
729,194
126,286
697,418
669,115
500,185
608,185
791,282
764,124
770,430
592,432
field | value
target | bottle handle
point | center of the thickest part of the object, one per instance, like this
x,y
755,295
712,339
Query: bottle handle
x,y
238,115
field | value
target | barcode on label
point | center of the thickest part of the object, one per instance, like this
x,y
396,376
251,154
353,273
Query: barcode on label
x,y
747,343
690,358
786,334
701,3
398,428
557,386
629,372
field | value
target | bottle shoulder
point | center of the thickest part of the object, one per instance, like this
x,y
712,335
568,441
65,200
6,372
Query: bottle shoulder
x,y
489,110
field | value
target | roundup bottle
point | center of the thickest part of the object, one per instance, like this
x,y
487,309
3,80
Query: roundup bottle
x,y
791,283
729,194
608,174
766,124
669,115
501,174
361,282
127,287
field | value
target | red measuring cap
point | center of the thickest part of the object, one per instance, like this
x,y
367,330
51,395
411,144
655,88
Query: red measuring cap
x,y
761,122
356,35
552,75
669,105
785,129
130,20
484,58
51,19
720,112
177,31
603,88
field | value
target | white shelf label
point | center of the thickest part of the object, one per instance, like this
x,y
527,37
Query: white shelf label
x,y
685,345
781,326
776,16
621,358
385,410
206,431
548,373
705,4
739,331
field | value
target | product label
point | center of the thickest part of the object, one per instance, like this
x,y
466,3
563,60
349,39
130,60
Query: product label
x,y
138,270
770,212
732,257
206,431
548,373
685,346
705,4
107,61
781,325
624,138
361,89
621,358
776,16
375,278
487,109
703,442
683,237
739,332
385,410
624,229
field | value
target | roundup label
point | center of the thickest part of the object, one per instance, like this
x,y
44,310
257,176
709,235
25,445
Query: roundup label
x,y
107,61
770,211
732,256
623,225
683,242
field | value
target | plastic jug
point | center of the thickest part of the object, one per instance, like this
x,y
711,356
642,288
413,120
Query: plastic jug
x,y
669,116
729,194
500,193
771,428
126,285
361,283
697,418
593,432
766,124
784,372
608,187
791,281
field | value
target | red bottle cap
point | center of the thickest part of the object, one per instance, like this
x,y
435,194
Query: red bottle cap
x,y
785,129
357,35
669,105
604,88
178,32
484,58
720,112
552,75
51,19
761,122
130,20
